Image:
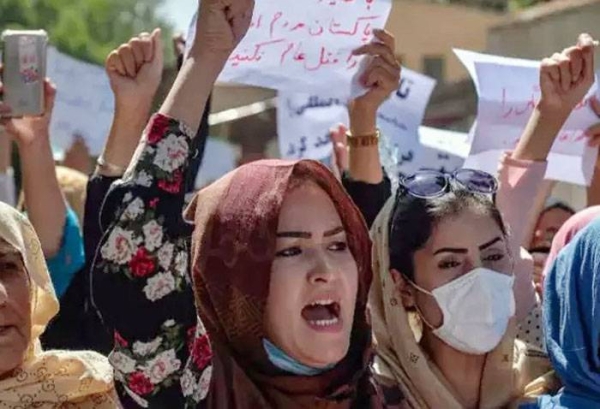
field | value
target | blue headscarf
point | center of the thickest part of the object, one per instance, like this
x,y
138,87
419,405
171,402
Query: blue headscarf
x,y
572,321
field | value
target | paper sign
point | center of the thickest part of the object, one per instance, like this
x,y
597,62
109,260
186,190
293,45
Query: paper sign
x,y
303,124
442,150
218,160
450,142
304,121
508,93
84,102
303,45
400,117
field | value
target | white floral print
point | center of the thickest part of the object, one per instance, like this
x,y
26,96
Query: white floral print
x,y
121,362
159,286
171,153
181,264
120,246
188,383
203,385
144,179
147,348
134,210
153,235
161,367
165,255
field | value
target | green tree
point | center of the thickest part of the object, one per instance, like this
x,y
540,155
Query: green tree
x,y
85,29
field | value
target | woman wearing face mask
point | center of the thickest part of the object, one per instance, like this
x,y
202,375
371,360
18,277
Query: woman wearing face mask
x,y
281,268
30,377
442,304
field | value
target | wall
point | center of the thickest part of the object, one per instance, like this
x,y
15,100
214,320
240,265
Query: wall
x,y
543,30
422,28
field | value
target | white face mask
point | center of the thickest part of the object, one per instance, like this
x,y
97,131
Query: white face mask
x,y
476,309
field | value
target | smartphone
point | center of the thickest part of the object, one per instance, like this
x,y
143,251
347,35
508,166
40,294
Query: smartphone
x,y
24,61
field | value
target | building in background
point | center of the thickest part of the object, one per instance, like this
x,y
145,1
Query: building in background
x,y
427,31
540,31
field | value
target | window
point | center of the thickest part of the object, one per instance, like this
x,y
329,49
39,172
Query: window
x,y
433,66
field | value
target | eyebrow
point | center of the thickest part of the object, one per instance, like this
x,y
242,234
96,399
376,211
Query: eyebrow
x,y
490,243
308,235
465,251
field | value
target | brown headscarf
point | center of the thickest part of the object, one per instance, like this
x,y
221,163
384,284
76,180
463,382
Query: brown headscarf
x,y
233,248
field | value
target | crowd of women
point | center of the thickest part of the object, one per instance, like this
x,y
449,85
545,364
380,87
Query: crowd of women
x,y
266,289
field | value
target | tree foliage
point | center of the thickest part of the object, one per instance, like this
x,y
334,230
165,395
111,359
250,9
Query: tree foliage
x,y
85,29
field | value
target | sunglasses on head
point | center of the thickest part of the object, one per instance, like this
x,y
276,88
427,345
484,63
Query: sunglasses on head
x,y
430,184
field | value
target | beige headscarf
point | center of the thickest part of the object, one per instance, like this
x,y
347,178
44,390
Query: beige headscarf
x,y
401,361
52,379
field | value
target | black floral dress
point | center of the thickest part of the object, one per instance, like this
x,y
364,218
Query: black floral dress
x,y
141,280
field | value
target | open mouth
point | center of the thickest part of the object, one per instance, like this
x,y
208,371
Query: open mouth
x,y
5,328
323,314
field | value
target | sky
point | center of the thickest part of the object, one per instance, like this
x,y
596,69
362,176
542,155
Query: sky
x,y
180,12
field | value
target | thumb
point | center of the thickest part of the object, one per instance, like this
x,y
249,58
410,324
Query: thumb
x,y
159,52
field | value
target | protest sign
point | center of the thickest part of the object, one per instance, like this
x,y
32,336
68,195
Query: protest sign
x,y
508,91
442,150
303,124
304,45
84,102
304,121
400,117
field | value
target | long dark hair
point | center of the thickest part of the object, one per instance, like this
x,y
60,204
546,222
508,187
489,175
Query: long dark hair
x,y
413,220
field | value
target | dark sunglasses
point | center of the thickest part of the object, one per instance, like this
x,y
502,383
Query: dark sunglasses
x,y
430,184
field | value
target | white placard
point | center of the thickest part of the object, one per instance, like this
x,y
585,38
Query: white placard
x,y
304,121
303,124
443,150
84,102
304,45
400,117
508,91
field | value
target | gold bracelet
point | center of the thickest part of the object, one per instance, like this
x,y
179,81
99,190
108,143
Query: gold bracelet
x,y
363,141
109,168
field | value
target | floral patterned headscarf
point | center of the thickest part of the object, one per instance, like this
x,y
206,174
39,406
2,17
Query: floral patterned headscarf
x,y
49,379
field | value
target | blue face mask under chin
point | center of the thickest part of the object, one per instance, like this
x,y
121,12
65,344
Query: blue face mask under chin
x,y
286,363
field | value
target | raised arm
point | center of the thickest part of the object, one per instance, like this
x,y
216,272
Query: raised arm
x,y
7,182
46,207
364,179
143,256
220,27
381,77
135,71
565,79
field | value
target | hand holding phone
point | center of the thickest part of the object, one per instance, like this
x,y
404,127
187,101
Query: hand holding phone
x,y
24,72
29,129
